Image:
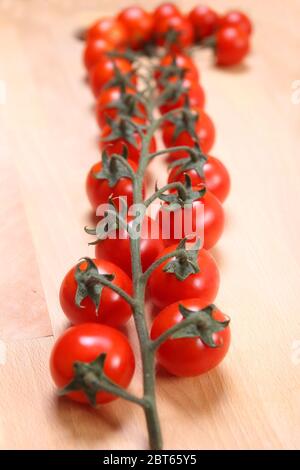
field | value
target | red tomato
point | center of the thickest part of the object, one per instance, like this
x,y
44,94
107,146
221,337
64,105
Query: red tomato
x,y
164,288
117,249
182,61
95,50
178,24
204,21
109,29
99,191
208,225
188,357
217,179
113,310
205,131
236,18
138,24
117,145
232,45
104,103
165,10
85,343
194,92
104,71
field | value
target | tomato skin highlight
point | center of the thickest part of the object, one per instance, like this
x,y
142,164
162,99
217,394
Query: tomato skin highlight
x,y
165,289
109,29
188,357
236,18
95,51
204,20
85,343
99,191
165,10
205,130
179,24
117,145
117,250
104,71
232,45
113,311
208,226
138,24
216,177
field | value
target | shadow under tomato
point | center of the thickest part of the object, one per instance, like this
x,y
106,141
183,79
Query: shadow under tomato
x,y
236,69
196,395
85,422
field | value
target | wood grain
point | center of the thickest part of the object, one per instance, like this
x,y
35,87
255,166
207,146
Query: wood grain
x,y
48,141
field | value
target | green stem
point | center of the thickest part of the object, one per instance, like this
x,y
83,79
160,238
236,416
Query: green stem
x,y
192,320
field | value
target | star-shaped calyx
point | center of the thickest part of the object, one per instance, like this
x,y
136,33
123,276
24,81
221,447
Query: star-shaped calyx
x,y
205,326
87,378
185,262
89,282
194,161
124,129
112,168
184,196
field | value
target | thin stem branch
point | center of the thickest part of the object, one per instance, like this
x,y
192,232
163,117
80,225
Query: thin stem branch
x,y
176,185
118,290
110,387
159,262
178,148
191,320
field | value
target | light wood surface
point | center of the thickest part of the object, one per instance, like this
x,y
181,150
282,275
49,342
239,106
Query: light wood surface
x,y
47,143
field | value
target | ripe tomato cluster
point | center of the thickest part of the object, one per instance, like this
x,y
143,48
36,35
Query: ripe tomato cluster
x,y
98,295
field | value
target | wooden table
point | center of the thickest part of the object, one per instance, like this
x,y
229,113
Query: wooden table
x,y
48,141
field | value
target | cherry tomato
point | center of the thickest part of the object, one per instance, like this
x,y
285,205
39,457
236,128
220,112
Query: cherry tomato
x,y
117,248
236,18
232,45
99,191
113,309
164,288
105,101
117,145
205,216
188,357
217,178
204,21
95,50
182,61
104,71
205,131
139,25
194,92
109,29
178,24
165,10
85,343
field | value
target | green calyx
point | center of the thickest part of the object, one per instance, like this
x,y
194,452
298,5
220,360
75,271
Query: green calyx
x,y
112,168
123,80
127,105
124,129
114,219
185,263
194,161
185,196
89,283
204,326
87,378
185,121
